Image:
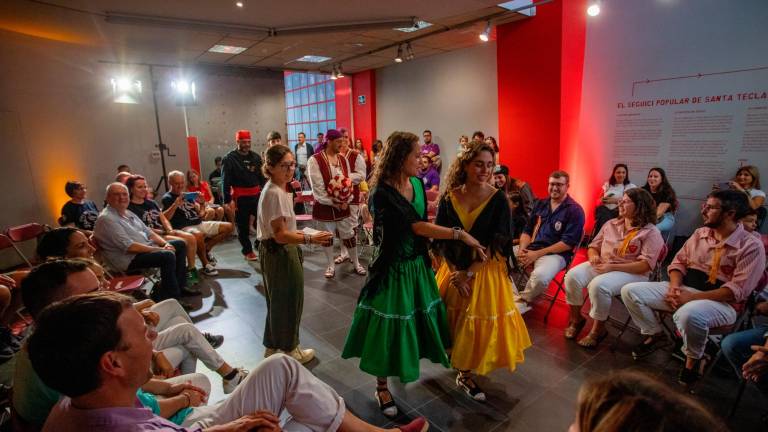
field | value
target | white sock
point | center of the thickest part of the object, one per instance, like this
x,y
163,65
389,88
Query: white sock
x,y
344,251
353,256
329,255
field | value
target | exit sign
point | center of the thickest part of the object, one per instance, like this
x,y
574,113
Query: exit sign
x,y
361,99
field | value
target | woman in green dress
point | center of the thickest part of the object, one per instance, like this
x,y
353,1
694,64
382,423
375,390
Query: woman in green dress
x,y
400,317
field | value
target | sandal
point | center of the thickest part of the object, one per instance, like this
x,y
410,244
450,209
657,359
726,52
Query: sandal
x,y
573,330
341,258
361,270
465,382
591,341
386,402
330,272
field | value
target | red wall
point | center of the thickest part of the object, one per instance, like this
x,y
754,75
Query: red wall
x,y
344,103
364,115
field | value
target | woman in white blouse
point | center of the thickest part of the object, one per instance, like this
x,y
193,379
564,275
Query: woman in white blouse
x,y
613,190
281,258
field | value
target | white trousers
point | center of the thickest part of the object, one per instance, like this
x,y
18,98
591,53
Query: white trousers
x,y
345,227
601,288
277,384
693,319
182,344
170,313
544,270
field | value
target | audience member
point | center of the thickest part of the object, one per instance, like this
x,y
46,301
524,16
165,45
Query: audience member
x,y
78,211
186,214
664,196
357,175
717,268
64,242
613,191
281,259
365,154
478,136
320,139
124,168
303,151
128,244
149,212
431,150
519,216
243,175
547,243
491,141
633,401
428,174
378,146
747,180
747,351
625,250
212,211
122,176
503,181
274,138
330,178
102,374
463,141
749,222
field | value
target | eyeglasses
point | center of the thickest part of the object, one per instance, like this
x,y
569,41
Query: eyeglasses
x,y
287,165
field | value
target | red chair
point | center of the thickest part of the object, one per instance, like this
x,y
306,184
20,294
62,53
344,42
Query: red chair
x,y
22,233
6,242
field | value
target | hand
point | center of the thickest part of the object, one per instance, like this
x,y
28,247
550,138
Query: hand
x,y
295,185
169,247
595,260
179,200
757,365
258,421
163,367
684,296
321,238
460,281
343,206
177,388
196,398
528,257
150,317
232,205
762,308
7,281
603,267
474,244
735,186
672,297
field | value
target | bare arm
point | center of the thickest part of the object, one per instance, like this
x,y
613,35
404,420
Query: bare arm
x,y
284,236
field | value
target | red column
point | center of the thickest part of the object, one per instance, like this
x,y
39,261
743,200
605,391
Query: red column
x,y
344,103
540,63
364,106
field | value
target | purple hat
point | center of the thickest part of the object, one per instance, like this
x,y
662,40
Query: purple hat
x,y
331,135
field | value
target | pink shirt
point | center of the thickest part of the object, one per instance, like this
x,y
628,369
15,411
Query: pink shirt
x,y
645,246
741,263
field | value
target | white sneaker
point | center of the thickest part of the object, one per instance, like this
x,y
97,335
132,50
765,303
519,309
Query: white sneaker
x,y
230,385
522,306
302,355
210,270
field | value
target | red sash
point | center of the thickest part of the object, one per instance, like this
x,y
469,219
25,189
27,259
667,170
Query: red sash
x,y
322,212
238,191
352,159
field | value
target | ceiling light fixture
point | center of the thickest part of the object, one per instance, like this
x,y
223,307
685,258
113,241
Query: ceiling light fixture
x,y
239,4
485,36
399,57
409,51
227,49
339,73
594,8
313,59
333,73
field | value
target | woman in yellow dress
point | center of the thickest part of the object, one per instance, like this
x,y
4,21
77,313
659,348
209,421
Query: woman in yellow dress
x,y
488,331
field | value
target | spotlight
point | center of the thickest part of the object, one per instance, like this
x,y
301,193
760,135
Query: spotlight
x,y
594,8
399,58
186,92
239,4
126,90
339,73
333,73
409,51
486,34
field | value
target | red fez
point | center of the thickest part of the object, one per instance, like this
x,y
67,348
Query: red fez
x,y
243,135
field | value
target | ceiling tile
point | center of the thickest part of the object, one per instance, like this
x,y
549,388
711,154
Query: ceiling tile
x,y
264,49
243,59
213,57
246,43
202,41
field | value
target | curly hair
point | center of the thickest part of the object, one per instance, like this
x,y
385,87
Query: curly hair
x,y
457,175
399,144
645,207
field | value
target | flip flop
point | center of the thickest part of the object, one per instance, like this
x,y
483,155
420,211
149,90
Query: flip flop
x,y
341,258
590,341
330,272
573,330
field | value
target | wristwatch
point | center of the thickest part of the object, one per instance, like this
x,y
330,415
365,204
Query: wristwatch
x,y
470,274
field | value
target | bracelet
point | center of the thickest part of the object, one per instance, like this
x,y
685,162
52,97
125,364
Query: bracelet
x,y
457,233
189,401
307,239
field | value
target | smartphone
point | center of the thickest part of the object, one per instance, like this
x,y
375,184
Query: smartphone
x,y
724,185
191,196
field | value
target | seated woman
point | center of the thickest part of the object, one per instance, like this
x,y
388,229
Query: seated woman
x,y
613,190
428,174
625,250
503,181
519,216
78,211
747,180
194,184
664,196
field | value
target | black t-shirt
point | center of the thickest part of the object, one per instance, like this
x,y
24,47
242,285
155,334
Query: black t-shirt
x,y
82,215
185,215
660,197
148,212
240,170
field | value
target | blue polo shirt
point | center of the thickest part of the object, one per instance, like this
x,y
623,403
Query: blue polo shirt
x,y
565,224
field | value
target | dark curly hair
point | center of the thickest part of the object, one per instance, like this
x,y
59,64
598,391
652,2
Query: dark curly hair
x,y
457,175
399,144
645,207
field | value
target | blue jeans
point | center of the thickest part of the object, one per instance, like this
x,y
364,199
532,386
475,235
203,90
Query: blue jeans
x,y
666,224
736,349
173,268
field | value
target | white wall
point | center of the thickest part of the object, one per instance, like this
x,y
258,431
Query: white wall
x,y
58,122
640,55
451,94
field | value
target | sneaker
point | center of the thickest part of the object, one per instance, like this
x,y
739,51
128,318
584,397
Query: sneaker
x,y
688,376
214,340
522,306
465,383
230,385
193,277
644,349
210,270
211,259
251,256
302,355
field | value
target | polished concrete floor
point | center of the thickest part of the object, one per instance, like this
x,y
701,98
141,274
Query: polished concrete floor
x,y
539,396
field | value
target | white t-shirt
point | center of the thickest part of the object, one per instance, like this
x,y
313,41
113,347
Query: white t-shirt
x,y
301,155
755,193
615,191
274,203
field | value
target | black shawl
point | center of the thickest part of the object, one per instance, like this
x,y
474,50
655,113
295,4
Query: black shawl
x,y
491,229
393,216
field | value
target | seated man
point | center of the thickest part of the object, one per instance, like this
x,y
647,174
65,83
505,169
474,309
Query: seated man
x,y
187,215
57,280
101,375
553,231
747,351
78,211
128,244
717,268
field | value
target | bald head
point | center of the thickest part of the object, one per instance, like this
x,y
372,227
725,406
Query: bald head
x,y
117,196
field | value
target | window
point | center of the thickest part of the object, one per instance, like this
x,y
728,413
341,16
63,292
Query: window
x,y
310,103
